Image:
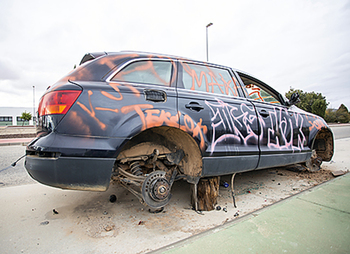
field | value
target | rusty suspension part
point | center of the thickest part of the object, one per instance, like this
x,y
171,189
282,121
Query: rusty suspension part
x,y
149,177
124,173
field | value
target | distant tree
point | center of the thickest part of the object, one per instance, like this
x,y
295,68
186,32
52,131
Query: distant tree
x,y
342,114
319,107
311,102
330,116
26,117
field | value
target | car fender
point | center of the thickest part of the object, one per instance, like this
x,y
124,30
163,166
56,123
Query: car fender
x,y
140,117
321,138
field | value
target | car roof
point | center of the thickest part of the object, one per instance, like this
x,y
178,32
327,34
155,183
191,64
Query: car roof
x,y
97,65
137,54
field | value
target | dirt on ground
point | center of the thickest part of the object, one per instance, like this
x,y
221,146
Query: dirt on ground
x,y
127,220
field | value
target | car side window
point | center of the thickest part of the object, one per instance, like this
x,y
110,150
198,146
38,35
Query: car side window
x,y
257,92
146,72
208,79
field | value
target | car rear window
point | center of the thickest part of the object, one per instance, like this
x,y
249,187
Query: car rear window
x,y
146,72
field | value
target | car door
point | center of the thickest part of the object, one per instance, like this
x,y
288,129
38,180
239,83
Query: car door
x,y
209,100
283,132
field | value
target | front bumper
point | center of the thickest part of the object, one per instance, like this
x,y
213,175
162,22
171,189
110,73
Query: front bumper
x,y
75,173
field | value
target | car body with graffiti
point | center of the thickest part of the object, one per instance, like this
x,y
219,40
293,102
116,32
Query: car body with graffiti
x,y
147,120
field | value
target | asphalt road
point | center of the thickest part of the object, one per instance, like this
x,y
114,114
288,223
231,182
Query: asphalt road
x,y
341,131
17,175
14,175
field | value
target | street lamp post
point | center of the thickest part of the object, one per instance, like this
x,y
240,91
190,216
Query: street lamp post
x,y
34,122
210,24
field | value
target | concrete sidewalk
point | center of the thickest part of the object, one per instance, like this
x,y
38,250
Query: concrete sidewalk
x,y
15,141
315,221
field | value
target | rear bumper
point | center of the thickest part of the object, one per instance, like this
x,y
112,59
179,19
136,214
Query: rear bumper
x,y
72,162
75,173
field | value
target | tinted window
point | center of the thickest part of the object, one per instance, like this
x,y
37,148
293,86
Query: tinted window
x,y
208,79
5,118
146,72
257,92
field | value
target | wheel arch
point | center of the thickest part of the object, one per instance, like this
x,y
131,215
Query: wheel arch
x,y
323,144
167,140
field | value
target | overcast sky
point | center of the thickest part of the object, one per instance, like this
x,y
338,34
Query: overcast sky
x,y
301,44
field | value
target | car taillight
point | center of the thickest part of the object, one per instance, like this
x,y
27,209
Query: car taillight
x,y
57,102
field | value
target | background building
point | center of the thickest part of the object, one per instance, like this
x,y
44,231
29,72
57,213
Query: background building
x,y
12,116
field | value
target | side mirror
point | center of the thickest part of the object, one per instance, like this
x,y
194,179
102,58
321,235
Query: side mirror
x,y
294,99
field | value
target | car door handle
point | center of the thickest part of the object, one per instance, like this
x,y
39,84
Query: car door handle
x,y
194,106
264,113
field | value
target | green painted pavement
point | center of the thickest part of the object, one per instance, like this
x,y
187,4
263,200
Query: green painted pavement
x,y
315,221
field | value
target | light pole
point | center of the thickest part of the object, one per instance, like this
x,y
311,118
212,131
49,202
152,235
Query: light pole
x,y
210,24
34,122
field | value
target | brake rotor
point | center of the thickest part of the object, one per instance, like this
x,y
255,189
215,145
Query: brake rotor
x,y
156,190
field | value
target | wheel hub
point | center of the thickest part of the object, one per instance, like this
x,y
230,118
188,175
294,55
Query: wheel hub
x,y
156,190
161,189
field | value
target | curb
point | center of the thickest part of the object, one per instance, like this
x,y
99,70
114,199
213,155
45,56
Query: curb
x,y
15,144
15,141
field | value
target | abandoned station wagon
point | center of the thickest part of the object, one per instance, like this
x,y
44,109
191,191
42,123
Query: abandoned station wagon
x,y
147,120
